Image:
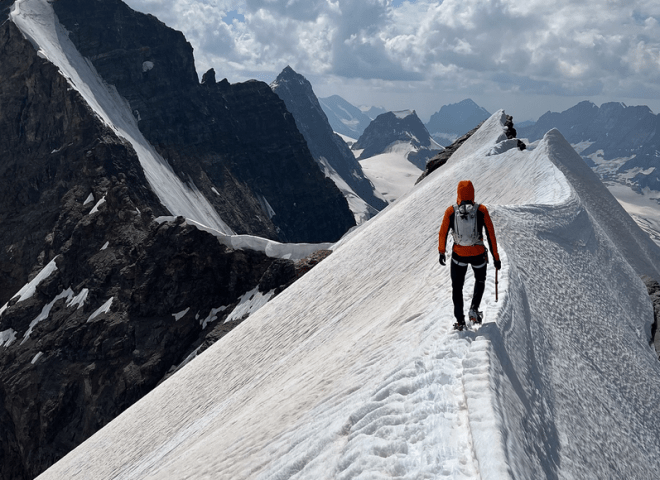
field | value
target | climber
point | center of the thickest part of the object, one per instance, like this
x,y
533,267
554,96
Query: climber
x,y
467,219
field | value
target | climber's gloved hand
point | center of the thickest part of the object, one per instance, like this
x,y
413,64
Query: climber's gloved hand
x,y
498,264
443,259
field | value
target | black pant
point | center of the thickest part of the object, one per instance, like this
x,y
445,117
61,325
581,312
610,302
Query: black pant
x,y
458,271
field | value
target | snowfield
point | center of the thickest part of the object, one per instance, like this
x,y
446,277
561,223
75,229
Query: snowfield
x,y
354,372
391,173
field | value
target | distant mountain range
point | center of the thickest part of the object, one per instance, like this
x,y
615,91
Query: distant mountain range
x,y
347,119
613,134
344,117
372,112
621,144
445,126
454,120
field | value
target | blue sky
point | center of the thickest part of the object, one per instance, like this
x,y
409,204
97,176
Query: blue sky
x,y
526,57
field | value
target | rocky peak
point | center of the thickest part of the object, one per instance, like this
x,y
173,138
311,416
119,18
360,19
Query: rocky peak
x,y
391,127
288,74
209,77
298,95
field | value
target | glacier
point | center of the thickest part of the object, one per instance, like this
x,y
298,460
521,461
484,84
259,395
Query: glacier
x,y
391,172
354,372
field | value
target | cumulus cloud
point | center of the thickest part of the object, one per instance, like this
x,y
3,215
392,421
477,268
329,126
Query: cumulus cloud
x,y
566,47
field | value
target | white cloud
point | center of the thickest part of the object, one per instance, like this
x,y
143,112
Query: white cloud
x,y
565,47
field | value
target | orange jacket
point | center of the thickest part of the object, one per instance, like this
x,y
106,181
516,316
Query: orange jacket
x,y
465,191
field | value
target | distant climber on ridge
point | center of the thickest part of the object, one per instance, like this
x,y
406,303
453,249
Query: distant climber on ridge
x,y
467,219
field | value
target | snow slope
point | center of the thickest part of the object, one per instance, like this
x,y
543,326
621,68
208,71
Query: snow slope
x,y
391,172
354,371
38,22
362,211
642,204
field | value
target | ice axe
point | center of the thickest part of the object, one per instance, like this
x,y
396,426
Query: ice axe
x,y
496,285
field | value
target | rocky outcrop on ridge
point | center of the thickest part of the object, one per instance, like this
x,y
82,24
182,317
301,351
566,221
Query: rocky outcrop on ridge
x,y
298,95
238,143
441,158
393,127
114,301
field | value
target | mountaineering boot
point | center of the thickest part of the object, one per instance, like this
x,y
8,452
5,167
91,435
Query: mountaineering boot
x,y
460,324
474,315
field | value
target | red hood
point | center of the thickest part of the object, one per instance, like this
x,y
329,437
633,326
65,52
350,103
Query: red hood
x,y
465,191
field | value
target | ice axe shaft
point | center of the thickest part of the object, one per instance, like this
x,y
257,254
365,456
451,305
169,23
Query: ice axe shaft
x,y
496,284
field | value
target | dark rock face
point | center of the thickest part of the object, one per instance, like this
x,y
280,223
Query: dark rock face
x,y
616,129
510,132
130,299
4,9
344,117
91,368
51,144
391,127
236,140
300,100
454,120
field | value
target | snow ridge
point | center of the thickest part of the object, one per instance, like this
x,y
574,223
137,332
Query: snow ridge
x,y
355,372
290,251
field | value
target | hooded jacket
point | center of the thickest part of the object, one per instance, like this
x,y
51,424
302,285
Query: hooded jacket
x,y
465,192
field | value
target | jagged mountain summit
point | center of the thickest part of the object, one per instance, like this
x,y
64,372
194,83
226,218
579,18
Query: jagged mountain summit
x,y
454,120
392,128
345,118
621,144
355,369
124,186
329,150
